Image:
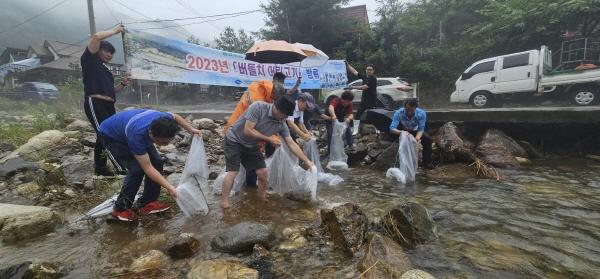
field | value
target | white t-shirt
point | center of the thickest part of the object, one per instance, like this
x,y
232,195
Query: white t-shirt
x,y
297,114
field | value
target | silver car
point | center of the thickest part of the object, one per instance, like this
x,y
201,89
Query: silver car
x,y
390,91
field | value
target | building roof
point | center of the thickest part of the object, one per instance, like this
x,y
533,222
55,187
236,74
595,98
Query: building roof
x,y
64,49
64,63
356,16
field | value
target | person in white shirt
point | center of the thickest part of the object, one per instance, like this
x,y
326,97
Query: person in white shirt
x,y
295,122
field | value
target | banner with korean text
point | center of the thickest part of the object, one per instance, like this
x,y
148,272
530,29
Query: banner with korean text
x,y
153,57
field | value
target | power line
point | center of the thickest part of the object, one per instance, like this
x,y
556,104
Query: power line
x,y
125,6
192,23
34,17
110,10
184,5
195,17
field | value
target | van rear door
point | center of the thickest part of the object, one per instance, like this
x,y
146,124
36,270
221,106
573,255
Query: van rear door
x,y
517,72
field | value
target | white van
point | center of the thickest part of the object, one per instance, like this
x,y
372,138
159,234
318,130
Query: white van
x,y
489,81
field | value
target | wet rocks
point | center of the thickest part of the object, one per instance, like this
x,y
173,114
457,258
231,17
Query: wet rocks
x,y
28,190
152,259
12,166
242,237
450,142
19,222
46,271
367,129
15,271
383,258
89,140
410,224
387,158
347,226
416,274
182,246
356,154
500,150
299,196
220,268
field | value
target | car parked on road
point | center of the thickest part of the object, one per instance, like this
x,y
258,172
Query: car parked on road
x,y
390,91
33,91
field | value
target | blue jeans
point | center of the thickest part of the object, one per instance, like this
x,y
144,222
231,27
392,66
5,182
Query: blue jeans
x,y
348,140
135,174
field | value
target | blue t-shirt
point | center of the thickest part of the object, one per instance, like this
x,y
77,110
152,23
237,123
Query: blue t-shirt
x,y
132,128
416,123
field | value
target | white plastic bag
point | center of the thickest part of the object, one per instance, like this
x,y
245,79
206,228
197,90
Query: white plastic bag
x,y
238,182
312,152
104,208
190,198
337,155
287,178
407,160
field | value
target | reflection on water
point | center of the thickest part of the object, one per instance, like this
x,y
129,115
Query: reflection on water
x,y
539,222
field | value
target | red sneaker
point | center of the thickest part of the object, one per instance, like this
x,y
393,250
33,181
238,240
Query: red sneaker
x,y
154,207
125,215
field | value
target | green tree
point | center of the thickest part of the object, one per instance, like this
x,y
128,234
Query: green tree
x,y
231,41
313,22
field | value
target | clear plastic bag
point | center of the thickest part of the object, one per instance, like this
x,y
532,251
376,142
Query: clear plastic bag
x,y
312,152
190,198
287,178
337,155
407,160
238,182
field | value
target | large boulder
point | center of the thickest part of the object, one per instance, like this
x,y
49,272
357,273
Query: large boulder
x,y
80,125
77,169
152,259
347,225
221,269
450,142
387,158
383,258
242,237
410,224
356,154
500,150
182,246
19,222
37,146
205,123
15,165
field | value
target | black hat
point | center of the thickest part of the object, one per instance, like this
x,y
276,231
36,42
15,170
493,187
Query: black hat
x,y
285,104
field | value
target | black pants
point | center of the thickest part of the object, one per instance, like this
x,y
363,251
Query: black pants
x,y
98,110
135,174
367,102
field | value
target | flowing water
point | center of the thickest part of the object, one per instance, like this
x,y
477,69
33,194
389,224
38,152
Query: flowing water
x,y
538,222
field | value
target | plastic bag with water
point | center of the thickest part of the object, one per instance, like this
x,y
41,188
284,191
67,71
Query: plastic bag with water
x,y
337,155
407,160
238,182
312,152
190,198
290,180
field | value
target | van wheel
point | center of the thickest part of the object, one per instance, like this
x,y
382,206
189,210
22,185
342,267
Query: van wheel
x,y
481,99
585,96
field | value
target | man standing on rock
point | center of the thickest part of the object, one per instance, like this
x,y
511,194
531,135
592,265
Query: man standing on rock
x,y
369,95
412,119
258,124
99,88
130,136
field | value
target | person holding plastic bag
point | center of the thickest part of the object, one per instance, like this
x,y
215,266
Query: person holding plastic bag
x,y
407,159
295,122
130,136
412,119
341,110
259,123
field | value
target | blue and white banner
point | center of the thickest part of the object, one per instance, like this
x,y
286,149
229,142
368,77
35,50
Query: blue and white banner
x,y
153,57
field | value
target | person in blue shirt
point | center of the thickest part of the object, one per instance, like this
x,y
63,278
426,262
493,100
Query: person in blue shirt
x,y
412,119
130,136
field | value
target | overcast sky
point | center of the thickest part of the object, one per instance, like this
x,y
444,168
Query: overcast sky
x,y
68,21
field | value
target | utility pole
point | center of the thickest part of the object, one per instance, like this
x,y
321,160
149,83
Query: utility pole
x,y
90,5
